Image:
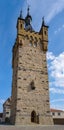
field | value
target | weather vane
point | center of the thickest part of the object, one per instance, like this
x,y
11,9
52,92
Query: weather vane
x,y
28,8
28,4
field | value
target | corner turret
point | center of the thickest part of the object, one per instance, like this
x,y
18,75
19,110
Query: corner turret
x,y
20,23
44,33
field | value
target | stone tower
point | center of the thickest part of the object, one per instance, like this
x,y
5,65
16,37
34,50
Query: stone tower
x,y
30,89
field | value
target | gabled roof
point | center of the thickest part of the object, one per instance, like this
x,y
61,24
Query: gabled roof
x,y
7,101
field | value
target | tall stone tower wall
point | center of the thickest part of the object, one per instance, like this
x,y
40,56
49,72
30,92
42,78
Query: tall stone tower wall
x,y
30,89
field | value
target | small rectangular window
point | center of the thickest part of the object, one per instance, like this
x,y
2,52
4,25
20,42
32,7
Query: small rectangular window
x,y
45,32
21,26
18,110
7,112
58,113
32,85
53,113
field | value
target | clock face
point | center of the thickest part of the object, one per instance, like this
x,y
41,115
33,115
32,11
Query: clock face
x,y
35,44
30,44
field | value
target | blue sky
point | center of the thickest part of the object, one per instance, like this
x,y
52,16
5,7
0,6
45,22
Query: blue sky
x,y
53,11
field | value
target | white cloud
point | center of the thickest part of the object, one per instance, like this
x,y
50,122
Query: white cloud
x,y
1,104
57,82
56,69
59,29
57,104
57,100
2,101
56,7
56,90
50,56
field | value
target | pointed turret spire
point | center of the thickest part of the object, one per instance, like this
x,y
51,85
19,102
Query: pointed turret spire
x,y
21,14
43,22
43,25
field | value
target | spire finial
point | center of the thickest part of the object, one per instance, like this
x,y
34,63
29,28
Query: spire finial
x,y
21,14
28,9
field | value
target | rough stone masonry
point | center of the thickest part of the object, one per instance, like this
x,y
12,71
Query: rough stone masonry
x,y
30,89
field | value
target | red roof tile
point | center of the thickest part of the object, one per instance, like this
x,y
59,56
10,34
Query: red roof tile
x,y
55,110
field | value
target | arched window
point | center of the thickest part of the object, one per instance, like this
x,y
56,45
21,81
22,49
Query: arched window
x,y
32,85
33,117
